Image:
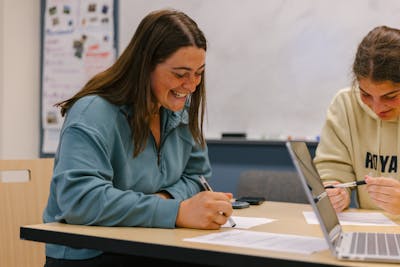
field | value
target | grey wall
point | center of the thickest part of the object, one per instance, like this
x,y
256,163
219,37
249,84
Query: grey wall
x,y
273,65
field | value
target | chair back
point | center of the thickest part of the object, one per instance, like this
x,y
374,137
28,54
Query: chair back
x,y
273,185
21,203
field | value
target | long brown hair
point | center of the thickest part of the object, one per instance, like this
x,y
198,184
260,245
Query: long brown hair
x,y
127,81
378,56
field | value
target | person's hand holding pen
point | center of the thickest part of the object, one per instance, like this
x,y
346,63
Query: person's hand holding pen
x,y
207,187
339,196
384,192
205,210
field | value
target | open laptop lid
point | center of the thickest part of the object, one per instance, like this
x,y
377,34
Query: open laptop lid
x,y
315,191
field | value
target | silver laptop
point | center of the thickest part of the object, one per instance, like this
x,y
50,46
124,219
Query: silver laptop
x,y
357,246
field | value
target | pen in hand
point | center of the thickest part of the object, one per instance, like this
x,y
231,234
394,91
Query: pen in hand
x,y
207,187
344,185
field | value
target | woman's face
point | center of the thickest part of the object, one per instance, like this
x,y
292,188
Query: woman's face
x,y
173,80
382,97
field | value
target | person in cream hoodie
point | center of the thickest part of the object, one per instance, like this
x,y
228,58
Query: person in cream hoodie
x,y
360,139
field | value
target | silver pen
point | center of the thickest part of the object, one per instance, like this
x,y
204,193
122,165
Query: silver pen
x,y
207,187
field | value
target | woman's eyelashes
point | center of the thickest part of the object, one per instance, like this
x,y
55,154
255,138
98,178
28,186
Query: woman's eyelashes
x,y
187,74
388,97
391,96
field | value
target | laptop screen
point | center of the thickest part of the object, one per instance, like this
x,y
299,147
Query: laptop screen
x,y
314,188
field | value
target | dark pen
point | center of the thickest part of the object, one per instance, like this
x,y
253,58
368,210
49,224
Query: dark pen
x,y
344,185
207,187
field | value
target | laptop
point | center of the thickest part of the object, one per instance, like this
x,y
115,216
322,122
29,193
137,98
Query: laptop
x,y
356,246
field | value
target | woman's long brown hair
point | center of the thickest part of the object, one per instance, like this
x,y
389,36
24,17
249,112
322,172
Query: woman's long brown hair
x,y
127,81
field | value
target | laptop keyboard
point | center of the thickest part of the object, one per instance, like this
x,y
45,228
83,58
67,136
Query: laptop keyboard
x,y
375,244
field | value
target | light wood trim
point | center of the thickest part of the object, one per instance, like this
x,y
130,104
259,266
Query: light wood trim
x,y
23,203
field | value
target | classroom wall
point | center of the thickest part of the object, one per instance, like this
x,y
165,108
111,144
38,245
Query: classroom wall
x,y
19,78
20,61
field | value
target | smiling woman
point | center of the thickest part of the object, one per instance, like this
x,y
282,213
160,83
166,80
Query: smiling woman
x,y
177,78
361,136
132,147
173,81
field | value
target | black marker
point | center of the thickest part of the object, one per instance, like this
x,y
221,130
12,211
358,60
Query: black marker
x,y
320,196
351,184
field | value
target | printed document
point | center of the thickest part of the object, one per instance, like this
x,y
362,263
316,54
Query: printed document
x,y
355,218
264,240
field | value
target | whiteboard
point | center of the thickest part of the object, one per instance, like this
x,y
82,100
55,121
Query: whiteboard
x,y
272,66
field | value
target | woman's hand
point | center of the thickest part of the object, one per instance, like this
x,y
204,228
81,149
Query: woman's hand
x,y
384,192
339,197
206,210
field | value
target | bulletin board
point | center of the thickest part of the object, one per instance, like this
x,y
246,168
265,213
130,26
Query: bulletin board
x,y
78,40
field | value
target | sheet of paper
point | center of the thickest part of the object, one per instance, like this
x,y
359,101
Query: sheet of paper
x,y
247,222
263,240
354,218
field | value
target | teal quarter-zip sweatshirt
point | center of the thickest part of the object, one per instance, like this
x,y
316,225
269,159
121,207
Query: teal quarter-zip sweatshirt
x,y
97,181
